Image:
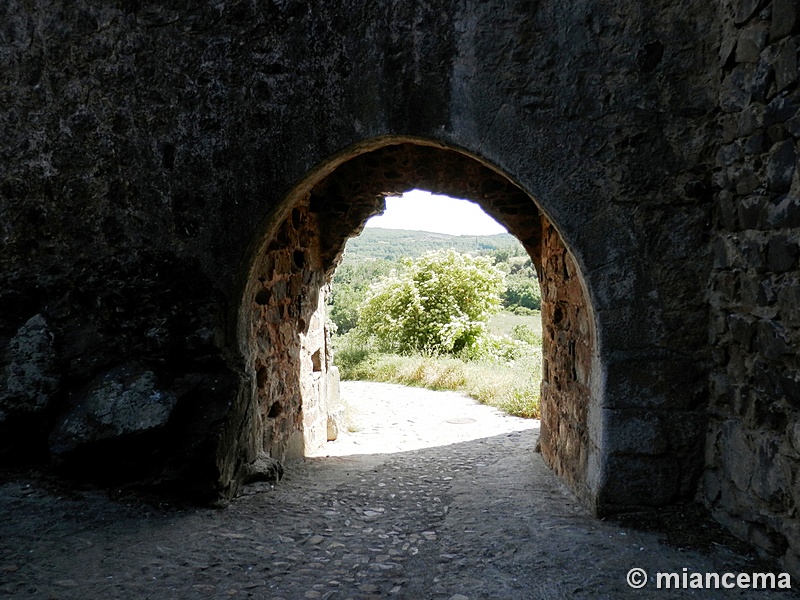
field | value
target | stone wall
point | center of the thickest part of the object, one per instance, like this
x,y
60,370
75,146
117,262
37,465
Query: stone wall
x,y
151,156
752,480
568,351
287,341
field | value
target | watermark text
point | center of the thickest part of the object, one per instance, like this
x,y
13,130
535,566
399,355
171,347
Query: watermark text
x,y
638,578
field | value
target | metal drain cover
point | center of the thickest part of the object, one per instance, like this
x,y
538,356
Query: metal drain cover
x,y
460,421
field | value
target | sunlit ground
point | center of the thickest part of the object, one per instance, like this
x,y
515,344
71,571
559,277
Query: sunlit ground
x,y
382,418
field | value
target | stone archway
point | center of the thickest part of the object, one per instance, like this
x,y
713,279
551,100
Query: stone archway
x,y
282,324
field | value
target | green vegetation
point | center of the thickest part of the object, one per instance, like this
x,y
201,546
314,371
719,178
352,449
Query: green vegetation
x,y
393,244
437,304
510,385
434,321
376,252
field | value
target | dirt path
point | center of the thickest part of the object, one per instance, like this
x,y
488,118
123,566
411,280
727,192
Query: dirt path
x,y
434,497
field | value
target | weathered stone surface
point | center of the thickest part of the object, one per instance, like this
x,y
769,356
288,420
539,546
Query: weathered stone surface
x,y
786,66
751,42
735,90
781,109
784,18
782,253
264,468
745,9
749,460
568,344
781,166
762,84
334,404
31,377
335,424
784,212
123,402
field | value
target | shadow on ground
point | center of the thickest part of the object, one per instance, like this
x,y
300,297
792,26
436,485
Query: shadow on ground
x,y
478,518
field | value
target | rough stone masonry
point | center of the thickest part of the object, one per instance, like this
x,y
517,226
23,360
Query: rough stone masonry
x,y
178,182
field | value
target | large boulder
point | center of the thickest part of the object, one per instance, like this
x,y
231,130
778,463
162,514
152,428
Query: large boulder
x,y
124,402
29,380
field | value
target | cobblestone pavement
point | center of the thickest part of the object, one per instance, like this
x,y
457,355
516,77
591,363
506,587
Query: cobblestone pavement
x,y
433,497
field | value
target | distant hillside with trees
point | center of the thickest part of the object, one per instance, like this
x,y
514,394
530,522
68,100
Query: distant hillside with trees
x,y
393,244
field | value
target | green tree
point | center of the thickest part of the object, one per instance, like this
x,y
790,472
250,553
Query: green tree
x,y
350,285
439,303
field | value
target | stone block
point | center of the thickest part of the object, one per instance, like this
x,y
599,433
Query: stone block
x,y
711,487
792,126
749,287
720,254
793,433
729,154
756,143
335,423
789,302
766,377
730,127
334,398
751,210
742,330
31,378
773,475
720,387
776,134
767,539
631,432
772,340
654,383
746,180
752,40
640,481
750,120
264,468
782,253
734,93
785,66
745,9
124,401
763,79
781,166
752,250
738,455
767,293
784,17
784,212
780,109
791,562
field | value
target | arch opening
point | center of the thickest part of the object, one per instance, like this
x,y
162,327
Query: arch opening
x,y
283,337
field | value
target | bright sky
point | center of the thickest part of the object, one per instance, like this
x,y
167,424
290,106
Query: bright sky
x,y
422,211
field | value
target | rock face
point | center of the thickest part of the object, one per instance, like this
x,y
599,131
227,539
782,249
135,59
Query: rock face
x,y
123,402
30,377
178,182
27,386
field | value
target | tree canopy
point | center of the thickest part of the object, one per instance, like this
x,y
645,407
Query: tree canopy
x,y
439,303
